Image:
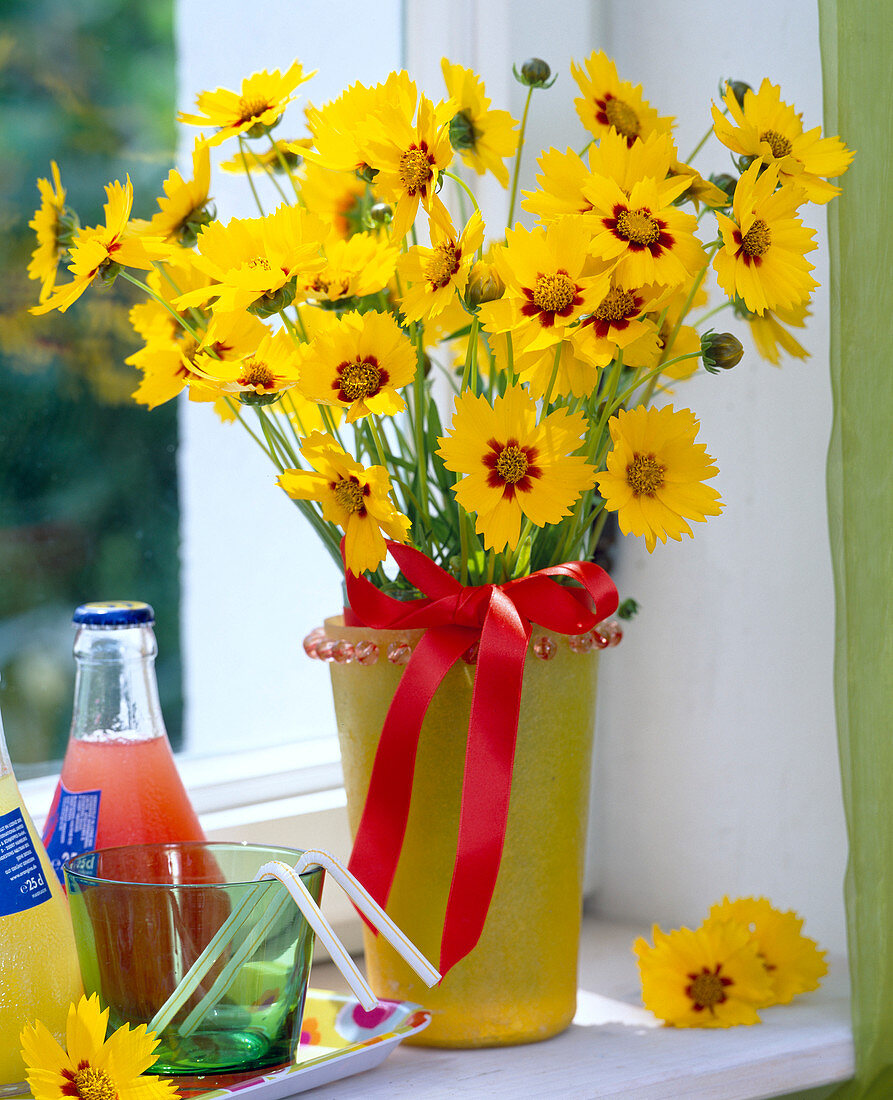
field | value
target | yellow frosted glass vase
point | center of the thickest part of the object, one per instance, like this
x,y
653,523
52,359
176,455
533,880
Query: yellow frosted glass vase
x,y
519,983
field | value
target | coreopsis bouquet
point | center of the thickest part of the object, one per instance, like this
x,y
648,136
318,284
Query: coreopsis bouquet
x,y
421,375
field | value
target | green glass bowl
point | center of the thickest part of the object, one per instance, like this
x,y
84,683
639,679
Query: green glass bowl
x,y
143,914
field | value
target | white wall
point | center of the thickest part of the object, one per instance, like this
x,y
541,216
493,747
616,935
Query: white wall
x,y
717,761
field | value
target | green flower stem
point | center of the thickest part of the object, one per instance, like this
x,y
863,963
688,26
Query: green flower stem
x,y
596,440
276,441
194,333
516,169
244,156
701,144
461,182
286,168
330,540
683,313
548,394
513,559
372,424
418,395
268,172
653,374
470,372
463,544
712,313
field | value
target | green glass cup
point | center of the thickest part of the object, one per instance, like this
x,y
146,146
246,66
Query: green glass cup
x,y
143,914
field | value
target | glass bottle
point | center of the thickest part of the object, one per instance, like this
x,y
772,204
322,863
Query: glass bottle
x,y
119,782
39,974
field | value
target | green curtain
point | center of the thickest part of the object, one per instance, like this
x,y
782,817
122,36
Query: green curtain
x,y
857,47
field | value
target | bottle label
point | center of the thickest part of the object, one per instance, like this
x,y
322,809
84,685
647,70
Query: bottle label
x,y
22,881
71,826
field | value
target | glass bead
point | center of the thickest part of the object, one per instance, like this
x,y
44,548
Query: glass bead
x,y
616,632
325,650
312,641
365,653
343,652
600,641
399,653
544,648
581,643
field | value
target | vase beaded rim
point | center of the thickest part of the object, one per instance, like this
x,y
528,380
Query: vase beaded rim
x,y
335,642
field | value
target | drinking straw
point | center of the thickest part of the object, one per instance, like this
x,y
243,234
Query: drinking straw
x,y
290,878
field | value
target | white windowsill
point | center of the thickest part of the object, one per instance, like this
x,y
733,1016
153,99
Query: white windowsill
x,y
615,1048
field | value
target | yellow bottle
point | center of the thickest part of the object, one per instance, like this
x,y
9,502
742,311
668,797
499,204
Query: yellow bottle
x,y
39,974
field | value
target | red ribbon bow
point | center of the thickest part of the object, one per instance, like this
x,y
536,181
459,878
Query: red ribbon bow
x,y
454,617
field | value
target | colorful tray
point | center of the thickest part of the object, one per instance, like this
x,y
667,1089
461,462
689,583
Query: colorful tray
x,y
339,1038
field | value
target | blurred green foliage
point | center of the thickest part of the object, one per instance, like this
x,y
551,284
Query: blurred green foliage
x,y
88,480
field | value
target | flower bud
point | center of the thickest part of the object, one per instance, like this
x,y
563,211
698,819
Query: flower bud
x,y
725,182
484,285
381,213
268,304
720,351
107,273
463,132
534,73
738,88
252,397
67,225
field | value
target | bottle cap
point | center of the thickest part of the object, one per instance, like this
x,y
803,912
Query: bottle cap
x,y
114,613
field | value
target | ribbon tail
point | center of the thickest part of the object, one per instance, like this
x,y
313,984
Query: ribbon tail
x,y
379,838
487,782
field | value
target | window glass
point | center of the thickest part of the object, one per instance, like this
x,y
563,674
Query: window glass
x,y
88,481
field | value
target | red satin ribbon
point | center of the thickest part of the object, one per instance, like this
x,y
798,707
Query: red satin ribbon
x,y
501,617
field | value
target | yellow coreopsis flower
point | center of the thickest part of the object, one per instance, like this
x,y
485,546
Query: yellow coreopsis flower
x,y
483,138
340,128
655,474
355,266
711,977
769,334
548,287
770,131
183,209
253,110
49,224
97,252
668,325
435,274
611,103
565,178
167,362
354,497
358,365
513,466
763,260
619,319
282,156
648,238
270,368
92,1066
792,961
576,374
339,198
407,157
254,263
